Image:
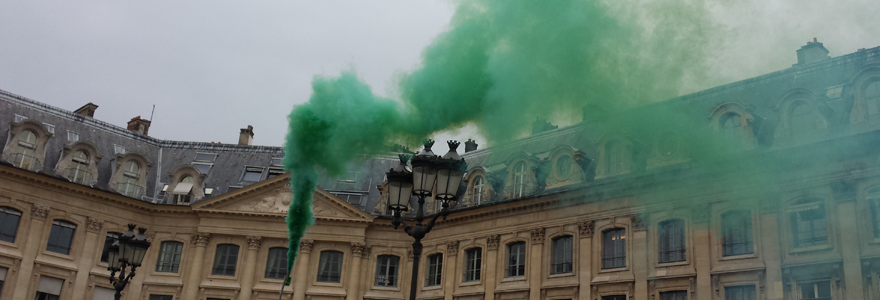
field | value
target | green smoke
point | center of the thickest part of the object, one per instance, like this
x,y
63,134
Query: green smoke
x,y
500,64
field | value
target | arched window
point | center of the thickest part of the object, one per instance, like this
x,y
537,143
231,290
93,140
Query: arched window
x,y
562,258
516,259
731,126
60,237
672,244
613,158
183,190
9,218
802,118
330,266
225,260
169,257
872,97
614,248
129,184
25,151
78,171
386,270
478,190
472,264
737,233
808,224
519,179
276,265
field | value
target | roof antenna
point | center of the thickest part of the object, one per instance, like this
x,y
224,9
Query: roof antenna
x,y
151,113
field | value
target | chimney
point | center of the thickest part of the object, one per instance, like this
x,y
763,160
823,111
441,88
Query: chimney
x,y
87,110
813,52
541,125
139,125
470,145
246,137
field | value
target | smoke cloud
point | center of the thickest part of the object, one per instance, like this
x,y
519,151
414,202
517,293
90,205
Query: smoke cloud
x,y
502,63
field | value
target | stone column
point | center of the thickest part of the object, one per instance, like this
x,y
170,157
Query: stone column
x,y
250,267
191,287
640,255
702,247
852,265
29,251
87,259
302,269
585,259
354,282
451,255
536,259
491,259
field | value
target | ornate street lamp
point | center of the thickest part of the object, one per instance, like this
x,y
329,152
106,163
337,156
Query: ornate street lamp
x,y
428,172
127,251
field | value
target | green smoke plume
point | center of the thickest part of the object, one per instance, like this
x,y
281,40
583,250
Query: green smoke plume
x,y
500,64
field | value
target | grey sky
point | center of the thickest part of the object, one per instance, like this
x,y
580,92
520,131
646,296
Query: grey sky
x,y
212,67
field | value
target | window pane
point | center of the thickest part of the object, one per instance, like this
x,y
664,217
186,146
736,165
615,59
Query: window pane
x,y
276,265
672,245
516,254
743,292
562,257
737,233
473,264
614,249
225,260
675,295
330,266
386,270
108,240
60,237
9,219
809,225
435,269
169,257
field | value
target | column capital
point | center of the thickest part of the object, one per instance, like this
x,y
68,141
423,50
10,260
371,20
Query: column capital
x,y
638,222
357,249
538,235
94,224
585,228
200,239
452,248
254,242
492,242
305,246
39,211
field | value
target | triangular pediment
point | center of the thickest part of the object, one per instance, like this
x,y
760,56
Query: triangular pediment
x,y
274,198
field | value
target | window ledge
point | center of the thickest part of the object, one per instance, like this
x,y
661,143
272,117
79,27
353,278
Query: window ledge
x,y
332,284
224,277
673,264
470,283
516,278
741,256
432,287
8,244
166,274
558,275
58,255
613,270
386,288
810,249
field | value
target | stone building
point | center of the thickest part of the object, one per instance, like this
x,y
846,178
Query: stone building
x,y
579,212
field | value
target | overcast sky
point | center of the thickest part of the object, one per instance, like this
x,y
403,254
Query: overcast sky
x,y
212,67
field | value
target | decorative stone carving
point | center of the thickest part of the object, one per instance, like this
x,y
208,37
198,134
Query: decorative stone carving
x,y
585,228
273,203
638,222
492,242
254,242
305,246
39,211
95,225
150,236
367,250
357,249
538,235
452,248
322,210
201,239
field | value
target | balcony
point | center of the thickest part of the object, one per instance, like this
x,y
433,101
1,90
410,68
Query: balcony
x,y
128,189
23,161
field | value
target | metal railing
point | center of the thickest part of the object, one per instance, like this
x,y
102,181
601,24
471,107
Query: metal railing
x,y
129,189
27,162
80,176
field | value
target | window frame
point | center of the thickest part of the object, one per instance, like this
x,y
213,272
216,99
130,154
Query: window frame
x,y
798,211
172,266
109,238
815,285
479,186
558,264
678,295
280,263
388,270
473,264
6,229
252,170
515,265
328,276
618,252
674,251
62,226
727,233
520,171
223,268
746,288
434,275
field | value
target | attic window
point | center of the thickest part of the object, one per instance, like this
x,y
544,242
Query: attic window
x,y
209,191
276,162
204,168
252,174
72,136
274,172
49,127
205,157
232,189
118,149
354,199
347,177
20,118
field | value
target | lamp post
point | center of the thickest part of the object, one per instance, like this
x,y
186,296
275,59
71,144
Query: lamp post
x,y
127,251
429,173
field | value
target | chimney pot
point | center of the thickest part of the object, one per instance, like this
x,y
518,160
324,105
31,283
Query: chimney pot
x,y
139,125
87,110
470,145
812,52
246,137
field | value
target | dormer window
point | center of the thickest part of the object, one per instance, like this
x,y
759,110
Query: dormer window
x,y
614,158
25,156
519,179
731,126
78,171
872,98
129,185
252,174
183,191
803,119
479,184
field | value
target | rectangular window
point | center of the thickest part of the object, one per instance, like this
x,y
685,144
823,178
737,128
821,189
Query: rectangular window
x,y
9,219
614,248
205,157
3,272
161,297
225,260
562,257
204,168
108,241
72,136
60,237
386,270
615,297
674,295
252,174
276,162
435,269
473,263
516,259
103,294
819,290
330,266
742,292
672,245
49,288
118,149
808,224
348,177
737,233
274,172
276,265
169,257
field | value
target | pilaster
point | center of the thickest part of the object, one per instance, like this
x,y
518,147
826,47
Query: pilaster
x,y
302,269
451,267
200,241
94,229
640,255
536,263
491,260
29,251
585,260
354,282
250,267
